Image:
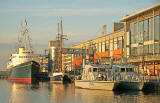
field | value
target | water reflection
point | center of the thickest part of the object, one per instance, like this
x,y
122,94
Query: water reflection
x,y
61,93
45,92
98,96
18,92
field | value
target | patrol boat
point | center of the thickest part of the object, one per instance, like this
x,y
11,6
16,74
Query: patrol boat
x,y
110,77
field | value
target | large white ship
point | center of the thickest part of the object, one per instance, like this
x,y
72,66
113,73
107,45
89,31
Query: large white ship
x,y
23,66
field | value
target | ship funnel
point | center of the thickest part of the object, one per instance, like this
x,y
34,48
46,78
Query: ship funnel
x,y
21,50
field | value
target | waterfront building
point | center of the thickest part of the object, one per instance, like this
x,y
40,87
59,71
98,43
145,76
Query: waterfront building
x,y
67,62
43,63
138,42
142,33
117,26
105,47
52,45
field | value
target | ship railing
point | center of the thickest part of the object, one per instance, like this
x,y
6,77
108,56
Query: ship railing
x,y
126,77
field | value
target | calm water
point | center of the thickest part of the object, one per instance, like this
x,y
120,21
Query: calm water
x,y
45,92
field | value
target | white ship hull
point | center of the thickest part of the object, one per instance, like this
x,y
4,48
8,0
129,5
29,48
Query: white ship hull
x,y
99,85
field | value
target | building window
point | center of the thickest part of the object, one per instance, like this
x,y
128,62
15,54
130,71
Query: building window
x,y
107,46
132,33
146,36
100,47
136,32
103,46
146,47
115,43
140,50
151,49
120,44
141,31
157,27
156,48
151,29
134,51
96,46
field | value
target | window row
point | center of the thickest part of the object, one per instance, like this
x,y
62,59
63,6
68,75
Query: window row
x,y
144,30
106,46
145,50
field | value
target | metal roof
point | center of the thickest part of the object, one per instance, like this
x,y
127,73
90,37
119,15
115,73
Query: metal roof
x,y
140,12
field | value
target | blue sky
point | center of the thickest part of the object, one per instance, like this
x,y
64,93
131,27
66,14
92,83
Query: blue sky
x,y
82,20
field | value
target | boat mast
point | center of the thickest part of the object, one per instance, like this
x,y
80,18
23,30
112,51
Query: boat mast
x,y
61,42
59,47
24,39
25,31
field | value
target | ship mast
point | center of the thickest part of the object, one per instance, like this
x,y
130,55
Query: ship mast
x,y
24,39
60,46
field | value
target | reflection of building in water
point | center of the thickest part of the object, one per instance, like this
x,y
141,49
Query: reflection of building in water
x,y
24,93
94,96
60,93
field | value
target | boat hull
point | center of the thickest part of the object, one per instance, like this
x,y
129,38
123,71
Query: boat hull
x,y
126,85
26,72
60,79
98,85
109,85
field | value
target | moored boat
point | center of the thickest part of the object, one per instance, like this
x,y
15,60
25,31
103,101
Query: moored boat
x,y
27,72
56,77
23,66
127,78
59,77
114,77
93,77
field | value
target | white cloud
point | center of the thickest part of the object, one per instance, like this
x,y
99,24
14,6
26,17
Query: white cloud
x,y
8,38
47,11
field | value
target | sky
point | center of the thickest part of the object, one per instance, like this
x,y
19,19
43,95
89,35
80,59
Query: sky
x,y
82,20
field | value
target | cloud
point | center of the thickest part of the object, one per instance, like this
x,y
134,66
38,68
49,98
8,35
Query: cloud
x,y
78,12
8,38
47,11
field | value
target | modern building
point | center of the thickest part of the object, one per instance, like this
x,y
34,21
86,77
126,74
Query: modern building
x,y
142,34
136,41
117,26
67,62
105,47
52,54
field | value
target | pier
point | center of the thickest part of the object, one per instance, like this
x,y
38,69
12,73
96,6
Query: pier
x,y
3,75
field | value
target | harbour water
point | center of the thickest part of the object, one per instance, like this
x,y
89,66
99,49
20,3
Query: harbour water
x,y
45,92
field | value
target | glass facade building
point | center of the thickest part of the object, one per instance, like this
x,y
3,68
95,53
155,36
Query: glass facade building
x,y
139,37
146,34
